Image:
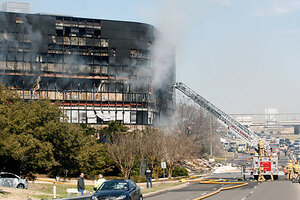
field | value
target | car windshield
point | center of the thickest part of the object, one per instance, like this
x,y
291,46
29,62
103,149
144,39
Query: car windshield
x,y
274,145
114,186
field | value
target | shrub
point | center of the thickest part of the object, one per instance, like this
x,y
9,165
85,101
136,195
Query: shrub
x,y
180,171
138,179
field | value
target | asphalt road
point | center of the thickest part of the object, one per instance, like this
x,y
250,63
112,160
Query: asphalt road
x,y
270,190
280,189
189,192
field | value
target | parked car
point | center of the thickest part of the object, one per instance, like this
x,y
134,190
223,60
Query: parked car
x,y
297,143
118,189
241,148
231,149
12,180
291,147
277,140
268,138
232,144
275,147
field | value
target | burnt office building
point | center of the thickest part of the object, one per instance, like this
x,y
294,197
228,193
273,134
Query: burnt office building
x,y
98,70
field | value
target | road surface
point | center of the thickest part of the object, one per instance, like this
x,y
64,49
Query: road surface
x,y
280,189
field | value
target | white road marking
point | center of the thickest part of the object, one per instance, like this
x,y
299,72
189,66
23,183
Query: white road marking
x,y
204,193
251,192
214,188
243,198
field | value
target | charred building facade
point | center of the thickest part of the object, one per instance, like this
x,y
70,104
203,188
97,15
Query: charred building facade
x,y
98,70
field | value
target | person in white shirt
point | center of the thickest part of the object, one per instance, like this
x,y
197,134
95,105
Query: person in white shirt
x,y
99,182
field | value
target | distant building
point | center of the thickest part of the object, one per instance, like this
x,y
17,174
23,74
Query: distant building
x,y
97,70
17,7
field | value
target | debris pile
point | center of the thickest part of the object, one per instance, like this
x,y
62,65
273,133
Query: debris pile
x,y
197,166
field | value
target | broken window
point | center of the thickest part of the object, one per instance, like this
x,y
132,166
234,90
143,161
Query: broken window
x,y
67,31
81,42
139,53
103,70
66,21
97,24
104,43
74,22
67,41
74,32
97,33
74,41
148,45
19,20
59,21
81,32
89,33
82,23
89,23
113,52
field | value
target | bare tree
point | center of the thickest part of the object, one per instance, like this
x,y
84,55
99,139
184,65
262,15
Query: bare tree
x,y
141,150
123,152
177,147
153,145
193,120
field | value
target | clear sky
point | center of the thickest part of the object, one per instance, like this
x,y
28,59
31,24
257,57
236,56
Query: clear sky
x,y
243,55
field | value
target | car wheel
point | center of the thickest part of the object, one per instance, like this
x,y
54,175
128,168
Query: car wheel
x,y
21,186
141,197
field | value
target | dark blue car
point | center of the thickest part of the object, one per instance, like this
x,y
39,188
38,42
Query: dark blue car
x,y
118,190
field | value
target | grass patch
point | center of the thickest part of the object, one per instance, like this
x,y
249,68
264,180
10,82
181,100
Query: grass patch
x,y
45,191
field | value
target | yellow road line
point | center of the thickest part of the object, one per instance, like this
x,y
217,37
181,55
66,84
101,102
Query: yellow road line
x,y
212,181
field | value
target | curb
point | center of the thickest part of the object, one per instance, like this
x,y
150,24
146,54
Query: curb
x,y
175,187
166,190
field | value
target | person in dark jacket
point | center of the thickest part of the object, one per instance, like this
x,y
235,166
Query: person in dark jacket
x,y
80,184
148,174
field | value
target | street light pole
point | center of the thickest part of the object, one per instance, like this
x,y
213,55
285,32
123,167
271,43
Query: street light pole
x,y
211,134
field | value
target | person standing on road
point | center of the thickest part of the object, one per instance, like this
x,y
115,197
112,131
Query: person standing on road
x,y
261,174
99,182
148,174
80,184
289,168
296,171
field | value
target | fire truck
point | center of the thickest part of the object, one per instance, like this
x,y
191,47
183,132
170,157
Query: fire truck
x,y
269,161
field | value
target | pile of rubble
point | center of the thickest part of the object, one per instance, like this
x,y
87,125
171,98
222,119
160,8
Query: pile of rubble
x,y
197,166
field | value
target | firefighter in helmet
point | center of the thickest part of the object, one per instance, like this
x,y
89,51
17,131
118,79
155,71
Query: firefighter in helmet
x,y
289,168
261,147
296,171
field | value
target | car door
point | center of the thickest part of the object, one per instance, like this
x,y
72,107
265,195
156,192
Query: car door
x,y
134,193
14,180
1,181
7,180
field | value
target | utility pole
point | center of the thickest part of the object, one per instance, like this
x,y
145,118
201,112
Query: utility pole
x,y
211,134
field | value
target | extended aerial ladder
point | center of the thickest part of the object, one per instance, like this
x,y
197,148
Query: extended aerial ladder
x,y
238,129
268,162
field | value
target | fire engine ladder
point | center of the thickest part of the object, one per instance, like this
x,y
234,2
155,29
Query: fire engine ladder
x,y
238,129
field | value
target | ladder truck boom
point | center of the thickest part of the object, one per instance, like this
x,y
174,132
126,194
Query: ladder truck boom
x,y
238,129
268,162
